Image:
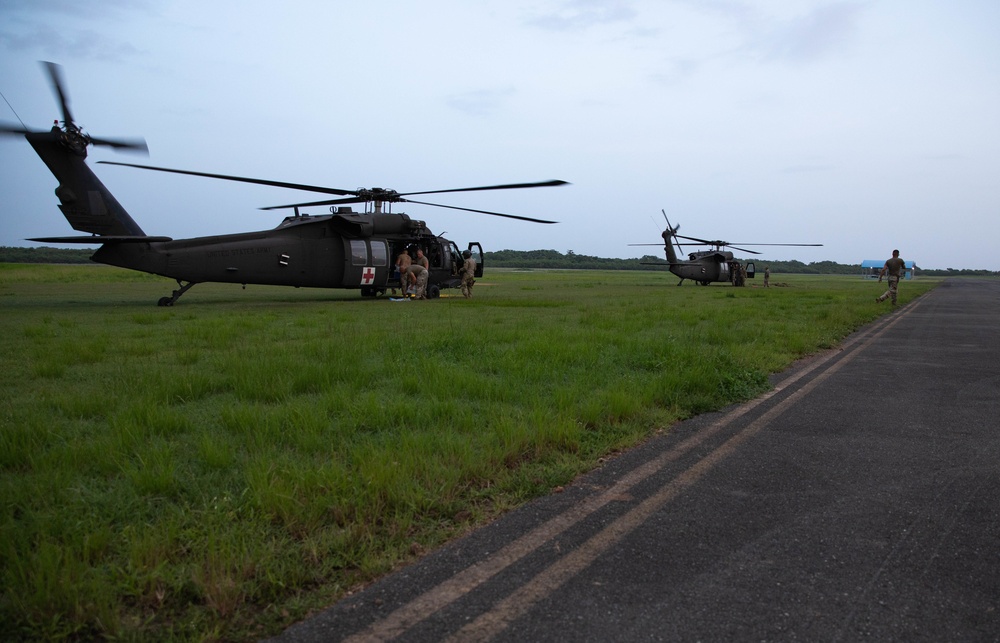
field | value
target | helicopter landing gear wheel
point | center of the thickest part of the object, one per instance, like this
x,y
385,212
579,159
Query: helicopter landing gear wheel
x,y
704,283
433,291
175,295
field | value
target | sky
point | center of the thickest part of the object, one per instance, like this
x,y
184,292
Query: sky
x,y
862,125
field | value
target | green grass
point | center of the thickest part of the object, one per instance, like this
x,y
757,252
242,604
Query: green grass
x,y
218,469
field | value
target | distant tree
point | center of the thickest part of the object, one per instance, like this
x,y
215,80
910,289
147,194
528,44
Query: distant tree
x,y
45,254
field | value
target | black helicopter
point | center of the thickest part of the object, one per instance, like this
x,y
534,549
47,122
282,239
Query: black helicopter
x,y
343,249
707,266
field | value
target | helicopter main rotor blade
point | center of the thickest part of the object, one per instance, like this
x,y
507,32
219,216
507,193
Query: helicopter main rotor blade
x,y
14,129
495,214
355,196
702,241
729,245
55,77
389,195
242,179
509,186
313,204
401,200
130,144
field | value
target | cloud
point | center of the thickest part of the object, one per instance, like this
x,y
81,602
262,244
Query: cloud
x,y
68,45
800,169
811,37
675,71
581,14
821,31
483,102
69,30
75,9
740,33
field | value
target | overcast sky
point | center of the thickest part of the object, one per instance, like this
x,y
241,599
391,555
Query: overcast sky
x,y
861,125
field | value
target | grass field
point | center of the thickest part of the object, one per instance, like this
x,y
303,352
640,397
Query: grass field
x,y
218,469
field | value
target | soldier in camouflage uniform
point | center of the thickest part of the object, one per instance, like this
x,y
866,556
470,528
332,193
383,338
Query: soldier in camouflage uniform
x,y
422,260
895,267
418,279
468,273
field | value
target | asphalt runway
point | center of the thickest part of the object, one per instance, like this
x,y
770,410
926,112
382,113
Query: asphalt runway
x,y
857,500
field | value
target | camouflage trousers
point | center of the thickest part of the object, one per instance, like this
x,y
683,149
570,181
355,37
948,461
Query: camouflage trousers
x,y
893,289
422,285
467,283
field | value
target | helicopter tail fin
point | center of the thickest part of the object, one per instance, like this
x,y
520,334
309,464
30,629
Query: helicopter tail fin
x,y
83,199
85,202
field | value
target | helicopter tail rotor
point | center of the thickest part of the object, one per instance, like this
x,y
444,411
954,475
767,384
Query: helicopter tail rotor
x,y
671,228
670,234
55,78
70,134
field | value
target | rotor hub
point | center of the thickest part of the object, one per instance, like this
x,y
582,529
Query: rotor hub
x,y
379,195
72,138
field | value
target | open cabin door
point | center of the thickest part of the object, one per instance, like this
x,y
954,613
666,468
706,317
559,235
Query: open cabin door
x,y
477,254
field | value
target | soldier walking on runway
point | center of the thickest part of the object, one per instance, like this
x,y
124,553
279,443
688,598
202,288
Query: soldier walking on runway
x,y
895,267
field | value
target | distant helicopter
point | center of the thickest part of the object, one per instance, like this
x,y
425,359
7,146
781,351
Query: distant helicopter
x,y
343,249
707,266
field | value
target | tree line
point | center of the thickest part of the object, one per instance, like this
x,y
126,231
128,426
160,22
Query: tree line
x,y
556,259
45,254
528,259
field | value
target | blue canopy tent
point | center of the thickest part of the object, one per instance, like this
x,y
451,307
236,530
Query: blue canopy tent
x,y
871,267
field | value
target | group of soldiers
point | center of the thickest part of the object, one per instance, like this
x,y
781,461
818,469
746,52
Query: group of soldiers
x,y
738,273
415,271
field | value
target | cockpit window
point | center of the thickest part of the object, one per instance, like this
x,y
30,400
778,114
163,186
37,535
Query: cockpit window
x,y
359,252
380,254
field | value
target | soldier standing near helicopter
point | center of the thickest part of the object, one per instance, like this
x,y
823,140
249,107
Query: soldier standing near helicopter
x,y
422,260
402,264
895,267
468,273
